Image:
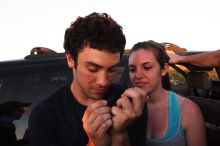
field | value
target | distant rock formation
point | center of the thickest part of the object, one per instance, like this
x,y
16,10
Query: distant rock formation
x,y
168,46
41,50
173,47
127,51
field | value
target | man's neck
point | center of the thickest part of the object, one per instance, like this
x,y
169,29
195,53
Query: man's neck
x,y
80,97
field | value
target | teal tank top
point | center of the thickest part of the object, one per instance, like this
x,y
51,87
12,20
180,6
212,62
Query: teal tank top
x,y
175,133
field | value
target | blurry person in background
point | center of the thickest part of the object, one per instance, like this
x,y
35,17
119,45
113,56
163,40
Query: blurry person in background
x,y
10,111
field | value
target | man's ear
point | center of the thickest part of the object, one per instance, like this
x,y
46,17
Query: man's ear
x,y
70,60
165,69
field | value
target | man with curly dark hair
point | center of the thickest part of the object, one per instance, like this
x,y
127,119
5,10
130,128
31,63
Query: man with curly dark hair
x,y
91,111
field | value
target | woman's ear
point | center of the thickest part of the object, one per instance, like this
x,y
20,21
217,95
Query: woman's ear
x,y
70,60
165,69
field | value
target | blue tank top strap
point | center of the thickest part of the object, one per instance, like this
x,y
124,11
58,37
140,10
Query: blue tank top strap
x,y
174,115
175,132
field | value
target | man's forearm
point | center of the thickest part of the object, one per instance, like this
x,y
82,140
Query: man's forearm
x,y
209,59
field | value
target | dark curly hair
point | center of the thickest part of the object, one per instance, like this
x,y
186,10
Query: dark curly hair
x,y
98,31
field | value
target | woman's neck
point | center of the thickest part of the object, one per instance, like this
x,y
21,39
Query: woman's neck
x,y
158,96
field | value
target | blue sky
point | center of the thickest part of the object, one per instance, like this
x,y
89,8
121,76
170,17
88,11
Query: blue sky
x,y
191,24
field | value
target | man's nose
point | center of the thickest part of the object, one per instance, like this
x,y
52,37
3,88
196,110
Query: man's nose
x,y
102,79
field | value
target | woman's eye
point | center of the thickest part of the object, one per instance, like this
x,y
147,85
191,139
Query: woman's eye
x,y
147,67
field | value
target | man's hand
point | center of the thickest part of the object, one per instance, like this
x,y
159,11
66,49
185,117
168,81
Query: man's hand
x,y
97,119
128,108
174,58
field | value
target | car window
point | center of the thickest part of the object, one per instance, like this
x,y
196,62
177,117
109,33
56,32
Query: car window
x,y
176,78
119,73
213,75
31,85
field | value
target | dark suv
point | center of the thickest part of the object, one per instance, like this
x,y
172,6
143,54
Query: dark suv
x,y
37,76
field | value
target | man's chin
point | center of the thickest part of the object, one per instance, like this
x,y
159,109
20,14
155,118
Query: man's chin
x,y
97,96
98,92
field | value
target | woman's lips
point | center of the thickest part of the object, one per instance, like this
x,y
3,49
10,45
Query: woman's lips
x,y
140,84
